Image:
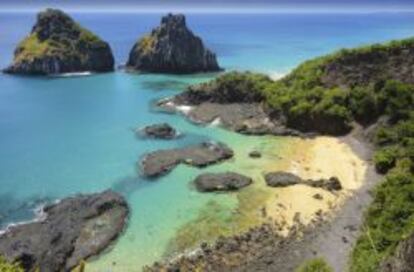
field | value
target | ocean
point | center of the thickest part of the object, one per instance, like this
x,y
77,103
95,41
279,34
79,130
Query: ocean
x,y
60,136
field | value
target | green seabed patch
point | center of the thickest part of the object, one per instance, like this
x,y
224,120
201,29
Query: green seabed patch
x,y
216,219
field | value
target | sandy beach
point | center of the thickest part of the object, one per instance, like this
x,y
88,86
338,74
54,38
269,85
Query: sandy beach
x,y
321,157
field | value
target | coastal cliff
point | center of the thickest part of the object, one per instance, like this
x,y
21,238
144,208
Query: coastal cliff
x,y
370,89
172,48
57,44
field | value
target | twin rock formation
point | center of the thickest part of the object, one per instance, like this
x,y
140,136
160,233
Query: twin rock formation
x,y
57,44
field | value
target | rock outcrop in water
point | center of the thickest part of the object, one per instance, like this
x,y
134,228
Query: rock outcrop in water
x,y
73,230
172,48
57,44
221,182
283,179
163,161
160,131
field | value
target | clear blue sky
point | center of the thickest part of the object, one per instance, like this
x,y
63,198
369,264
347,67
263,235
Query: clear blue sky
x,y
247,5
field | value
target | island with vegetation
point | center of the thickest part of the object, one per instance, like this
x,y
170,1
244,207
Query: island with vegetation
x,y
172,48
57,44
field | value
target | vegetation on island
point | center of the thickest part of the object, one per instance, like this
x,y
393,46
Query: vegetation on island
x,y
5,266
57,45
315,265
312,99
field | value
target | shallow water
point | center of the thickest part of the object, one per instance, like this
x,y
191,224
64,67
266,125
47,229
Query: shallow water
x,y
66,135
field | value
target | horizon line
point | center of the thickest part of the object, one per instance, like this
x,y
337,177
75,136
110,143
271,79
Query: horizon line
x,y
221,10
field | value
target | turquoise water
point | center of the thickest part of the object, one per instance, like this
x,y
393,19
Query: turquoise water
x,y
61,136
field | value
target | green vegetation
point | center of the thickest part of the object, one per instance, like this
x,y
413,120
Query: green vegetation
x,y
146,43
58,44
315,265
9,267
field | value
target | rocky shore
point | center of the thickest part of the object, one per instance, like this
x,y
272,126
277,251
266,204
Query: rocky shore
x,y
172,48
73,230
57,44
237,107
163,161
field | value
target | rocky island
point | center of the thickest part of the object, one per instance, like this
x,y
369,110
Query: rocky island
x,y
71,231
171,48
57,44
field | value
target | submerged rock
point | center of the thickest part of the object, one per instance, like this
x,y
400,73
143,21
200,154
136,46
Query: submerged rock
x,y
229,181
161,131
171,48
73,230
163,161
57,44
283,179
255,154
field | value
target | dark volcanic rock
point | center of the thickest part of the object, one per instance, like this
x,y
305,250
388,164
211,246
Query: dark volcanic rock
x,y
57,44
281,179
331,184
228,181
160,162
171,48
162,131
74,229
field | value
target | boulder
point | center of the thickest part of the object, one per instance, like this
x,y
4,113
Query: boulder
x,y
171,48
73,230
201,155
161,131
281,179
57,44
215,182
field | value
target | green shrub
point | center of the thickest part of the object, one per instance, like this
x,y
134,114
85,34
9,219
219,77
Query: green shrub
x,y
389,220
9,267
315,265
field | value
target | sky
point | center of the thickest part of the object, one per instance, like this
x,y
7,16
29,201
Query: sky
x,y
214,5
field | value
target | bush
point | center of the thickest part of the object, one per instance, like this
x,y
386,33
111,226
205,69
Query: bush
x,y
385,159
315,265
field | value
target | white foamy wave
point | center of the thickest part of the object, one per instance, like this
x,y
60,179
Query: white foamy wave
x,y
184,109
74,74
216,122
40,216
